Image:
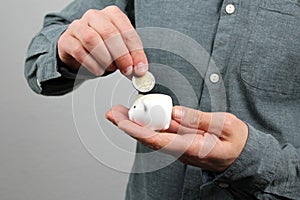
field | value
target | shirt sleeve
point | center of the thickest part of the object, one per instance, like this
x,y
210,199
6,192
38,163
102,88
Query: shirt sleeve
x,y
44,72
265,169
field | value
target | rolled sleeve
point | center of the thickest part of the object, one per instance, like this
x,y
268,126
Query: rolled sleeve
x,y
41,63
44,71
263,168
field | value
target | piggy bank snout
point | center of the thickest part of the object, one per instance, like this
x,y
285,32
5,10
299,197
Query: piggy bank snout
x,y
152,111
137,113
139,117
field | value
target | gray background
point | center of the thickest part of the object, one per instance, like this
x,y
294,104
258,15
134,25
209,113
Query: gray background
x,y
41,154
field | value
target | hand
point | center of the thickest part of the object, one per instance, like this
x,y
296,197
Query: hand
x,y
212,141
103,40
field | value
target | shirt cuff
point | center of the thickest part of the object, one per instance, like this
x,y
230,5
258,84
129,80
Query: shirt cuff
x,y
256,166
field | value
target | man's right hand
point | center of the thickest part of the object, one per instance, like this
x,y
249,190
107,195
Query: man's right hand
x,y
103,40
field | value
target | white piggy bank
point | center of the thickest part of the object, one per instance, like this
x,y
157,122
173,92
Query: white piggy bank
x,y
153,111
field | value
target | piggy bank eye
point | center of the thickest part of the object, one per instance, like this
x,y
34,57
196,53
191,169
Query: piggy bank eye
x,y
134,107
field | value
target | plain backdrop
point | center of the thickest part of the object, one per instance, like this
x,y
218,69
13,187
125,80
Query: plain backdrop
x,y
41,155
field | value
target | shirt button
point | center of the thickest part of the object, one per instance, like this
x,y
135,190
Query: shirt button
x,y
214,78
223,185
230,9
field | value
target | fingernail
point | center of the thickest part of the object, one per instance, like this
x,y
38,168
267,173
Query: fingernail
x,y
179,113
141,67
128,71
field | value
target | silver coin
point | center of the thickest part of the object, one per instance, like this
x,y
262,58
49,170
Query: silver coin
x,y
144,83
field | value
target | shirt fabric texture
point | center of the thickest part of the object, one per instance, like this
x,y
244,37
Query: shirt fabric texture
x,y
257,53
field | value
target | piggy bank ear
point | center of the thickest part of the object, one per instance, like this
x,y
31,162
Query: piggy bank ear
x,y
147,104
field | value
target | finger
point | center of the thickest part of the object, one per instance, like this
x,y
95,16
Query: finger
x,y
120,54
197,142
208,144
112,39
191,118
177,128
64,53
92,42
117,113
170,143
74,48
136,131
140,68
180,146
130,37
199,147
135,46
166,142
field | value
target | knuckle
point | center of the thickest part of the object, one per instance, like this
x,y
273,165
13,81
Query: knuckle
x,y
229,119
134,43
117,13
75,23
98,72
123,19
138,56
108,30
91,13
124,61
195,146
194,118
62,40
205,120
155,141
112,9
130,38
78,53
90,38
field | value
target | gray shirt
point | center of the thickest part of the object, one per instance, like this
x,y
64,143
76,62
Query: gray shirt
x,y
255,59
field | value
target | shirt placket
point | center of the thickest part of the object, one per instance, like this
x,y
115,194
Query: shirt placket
x,y
213,93
226,55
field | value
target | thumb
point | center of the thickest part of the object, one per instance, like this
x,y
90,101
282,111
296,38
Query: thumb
x,y
206,121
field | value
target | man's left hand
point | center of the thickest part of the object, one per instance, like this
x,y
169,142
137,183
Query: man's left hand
x,y
211,141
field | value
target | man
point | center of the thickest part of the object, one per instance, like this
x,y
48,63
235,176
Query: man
x,y
255,46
